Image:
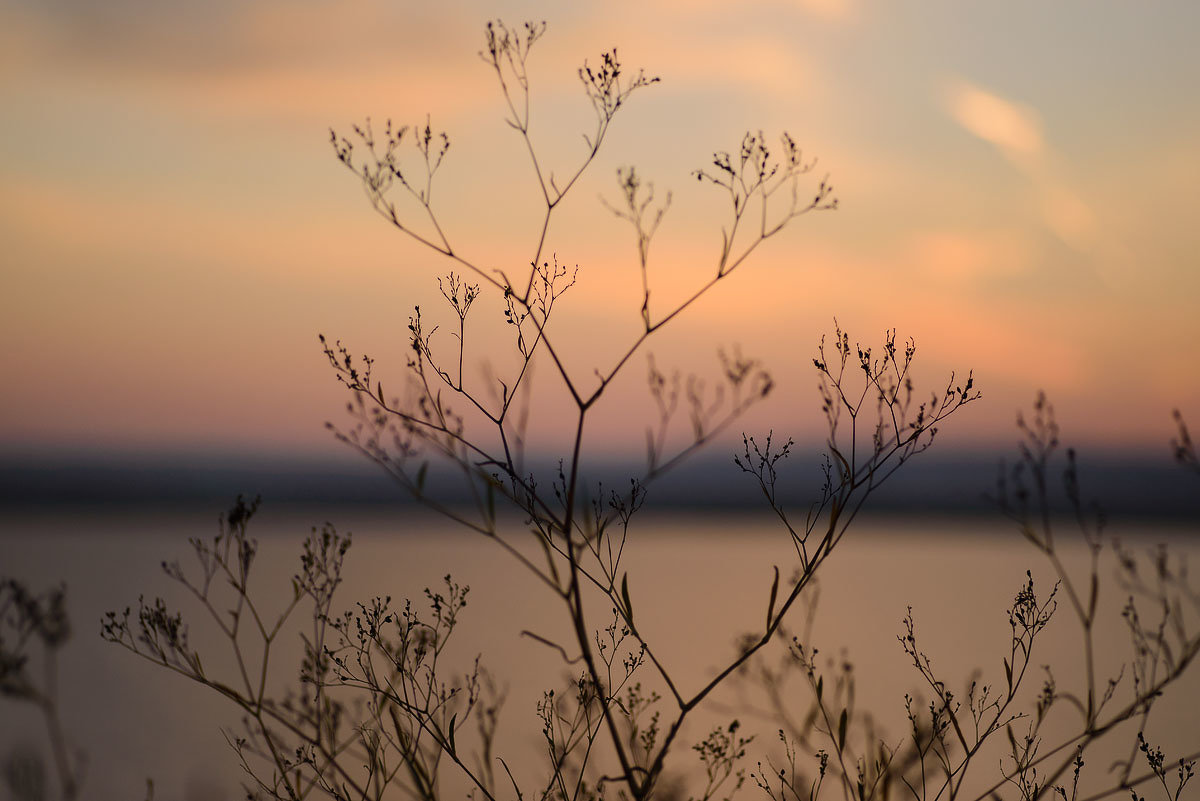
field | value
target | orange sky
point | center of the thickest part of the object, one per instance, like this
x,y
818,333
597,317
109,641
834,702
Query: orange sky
x,y
1018,186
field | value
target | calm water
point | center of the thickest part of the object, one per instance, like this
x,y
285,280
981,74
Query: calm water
x,y
696,583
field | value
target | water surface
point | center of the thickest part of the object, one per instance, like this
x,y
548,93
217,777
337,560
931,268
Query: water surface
x,y
697,582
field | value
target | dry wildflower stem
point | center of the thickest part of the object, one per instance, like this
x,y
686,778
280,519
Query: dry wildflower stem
x,y
377,709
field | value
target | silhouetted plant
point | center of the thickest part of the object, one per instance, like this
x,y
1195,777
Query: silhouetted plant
x,y
36,627
378,708
951,733
1182,445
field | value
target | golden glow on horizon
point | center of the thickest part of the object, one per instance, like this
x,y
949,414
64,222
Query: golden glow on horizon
x,y
1016,209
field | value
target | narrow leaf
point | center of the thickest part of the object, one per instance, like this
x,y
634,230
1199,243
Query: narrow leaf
x,y
774,593
842,732
421,471
625,598
450,734
820,687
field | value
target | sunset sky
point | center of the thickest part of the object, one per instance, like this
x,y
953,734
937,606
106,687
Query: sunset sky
x,y
1019,185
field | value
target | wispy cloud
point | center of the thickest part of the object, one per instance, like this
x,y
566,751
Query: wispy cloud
x,y
1016,131
836,11
268,58
841,11
759,66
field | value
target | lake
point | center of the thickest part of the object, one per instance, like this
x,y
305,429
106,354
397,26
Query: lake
x,y
697,581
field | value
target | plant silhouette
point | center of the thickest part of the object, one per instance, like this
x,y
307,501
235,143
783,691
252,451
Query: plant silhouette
x,y
379,712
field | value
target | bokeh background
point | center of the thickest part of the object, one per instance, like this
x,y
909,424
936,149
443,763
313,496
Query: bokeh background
x,y
1018,187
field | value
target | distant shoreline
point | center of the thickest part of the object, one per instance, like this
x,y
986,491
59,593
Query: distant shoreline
x,y
1126,485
